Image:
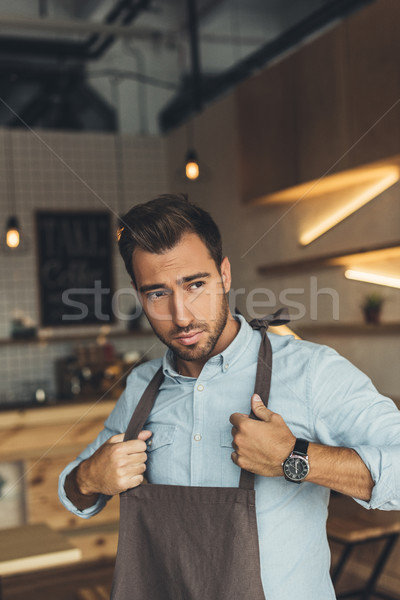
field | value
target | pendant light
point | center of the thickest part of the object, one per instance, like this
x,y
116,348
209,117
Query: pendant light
x,y
12,232
12,224
192,170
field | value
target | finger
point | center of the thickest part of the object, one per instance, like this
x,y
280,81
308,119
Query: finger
x,y
135,481
119,437
135,446
237,418
116,439
135,469
145,434
136,458
235,457
234,431
259,409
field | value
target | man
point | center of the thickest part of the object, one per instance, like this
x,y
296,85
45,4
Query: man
x,y
345,436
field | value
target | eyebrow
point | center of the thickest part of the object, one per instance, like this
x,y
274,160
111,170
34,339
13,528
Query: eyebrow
x,y
157,286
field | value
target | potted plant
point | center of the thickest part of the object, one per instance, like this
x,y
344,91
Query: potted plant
x,y
372,307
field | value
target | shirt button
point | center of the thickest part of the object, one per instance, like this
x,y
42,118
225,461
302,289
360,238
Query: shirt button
x,y
149,443
226,366
200,387
197,437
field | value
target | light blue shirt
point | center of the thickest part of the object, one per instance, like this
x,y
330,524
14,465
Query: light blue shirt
x,y
321,396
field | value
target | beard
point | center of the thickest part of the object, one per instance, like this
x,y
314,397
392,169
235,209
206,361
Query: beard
x,y
201,349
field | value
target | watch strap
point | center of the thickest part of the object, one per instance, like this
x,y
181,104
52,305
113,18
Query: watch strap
x,y
301,447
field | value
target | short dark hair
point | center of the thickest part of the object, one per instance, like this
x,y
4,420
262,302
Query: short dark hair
x,y
158,225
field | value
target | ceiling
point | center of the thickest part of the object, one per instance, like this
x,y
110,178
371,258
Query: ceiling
x,y
182,52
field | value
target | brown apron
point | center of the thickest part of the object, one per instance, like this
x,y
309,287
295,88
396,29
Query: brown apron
x,y
186,542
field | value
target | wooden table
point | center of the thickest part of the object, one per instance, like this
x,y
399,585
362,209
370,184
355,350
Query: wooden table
x,y
350,525
81,580
27,551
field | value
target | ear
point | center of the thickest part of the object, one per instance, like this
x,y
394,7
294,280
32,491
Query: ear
x,y
226,274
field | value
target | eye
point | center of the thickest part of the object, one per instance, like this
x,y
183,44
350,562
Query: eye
x,y
153,296
196,285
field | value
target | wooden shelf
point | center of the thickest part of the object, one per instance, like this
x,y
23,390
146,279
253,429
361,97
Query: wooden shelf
x,y
347,329
371,253
64,338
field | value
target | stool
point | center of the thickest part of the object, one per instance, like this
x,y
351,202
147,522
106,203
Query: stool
x,y
350,525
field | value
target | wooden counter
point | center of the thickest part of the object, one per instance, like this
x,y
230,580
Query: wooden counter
x,y
44,440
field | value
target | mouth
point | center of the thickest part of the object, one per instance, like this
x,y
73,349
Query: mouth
x,y
190,338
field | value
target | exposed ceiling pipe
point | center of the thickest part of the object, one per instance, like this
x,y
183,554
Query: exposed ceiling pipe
x,y
75,26
69,50
112,17
196,81
34,48
60,49
202,11
113,24
181,107
131,13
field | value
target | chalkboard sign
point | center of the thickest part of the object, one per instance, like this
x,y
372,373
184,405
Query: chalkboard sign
x,y
74,268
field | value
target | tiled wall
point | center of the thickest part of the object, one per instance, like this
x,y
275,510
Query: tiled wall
x,y
56,170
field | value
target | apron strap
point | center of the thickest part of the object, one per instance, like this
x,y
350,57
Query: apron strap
x,y
264,371
144,406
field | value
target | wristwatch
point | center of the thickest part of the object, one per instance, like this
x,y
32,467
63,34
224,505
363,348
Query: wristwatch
x,y
296,467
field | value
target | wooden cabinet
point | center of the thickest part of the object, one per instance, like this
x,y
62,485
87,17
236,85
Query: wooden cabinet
x,y
332,105
321,106
373,82
266,125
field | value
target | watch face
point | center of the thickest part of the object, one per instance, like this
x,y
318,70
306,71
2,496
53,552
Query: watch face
x,y
295,468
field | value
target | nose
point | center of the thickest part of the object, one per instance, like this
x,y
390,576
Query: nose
x,y
182,316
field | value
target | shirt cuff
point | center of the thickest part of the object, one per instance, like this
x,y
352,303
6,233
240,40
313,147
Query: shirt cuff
x,y
86,513
382,464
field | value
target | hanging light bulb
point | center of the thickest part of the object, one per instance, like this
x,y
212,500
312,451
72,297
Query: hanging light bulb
x,y
12,235
192,165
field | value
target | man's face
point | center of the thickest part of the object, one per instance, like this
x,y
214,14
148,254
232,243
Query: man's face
x,y
184,296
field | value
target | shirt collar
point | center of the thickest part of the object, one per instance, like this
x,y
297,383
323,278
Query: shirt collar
x,y
224,361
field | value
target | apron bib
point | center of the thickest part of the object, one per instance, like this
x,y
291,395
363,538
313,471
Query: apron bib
x,y
186,542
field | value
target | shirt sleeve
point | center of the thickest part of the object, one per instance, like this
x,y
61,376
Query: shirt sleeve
x,y
348,411
115,423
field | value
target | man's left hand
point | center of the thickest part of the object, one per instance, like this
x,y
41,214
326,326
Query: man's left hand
x,y
261,445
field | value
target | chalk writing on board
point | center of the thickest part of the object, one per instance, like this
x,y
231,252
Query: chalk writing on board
x,y
74,267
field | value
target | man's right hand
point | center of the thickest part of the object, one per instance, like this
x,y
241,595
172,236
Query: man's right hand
x,y
115,467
